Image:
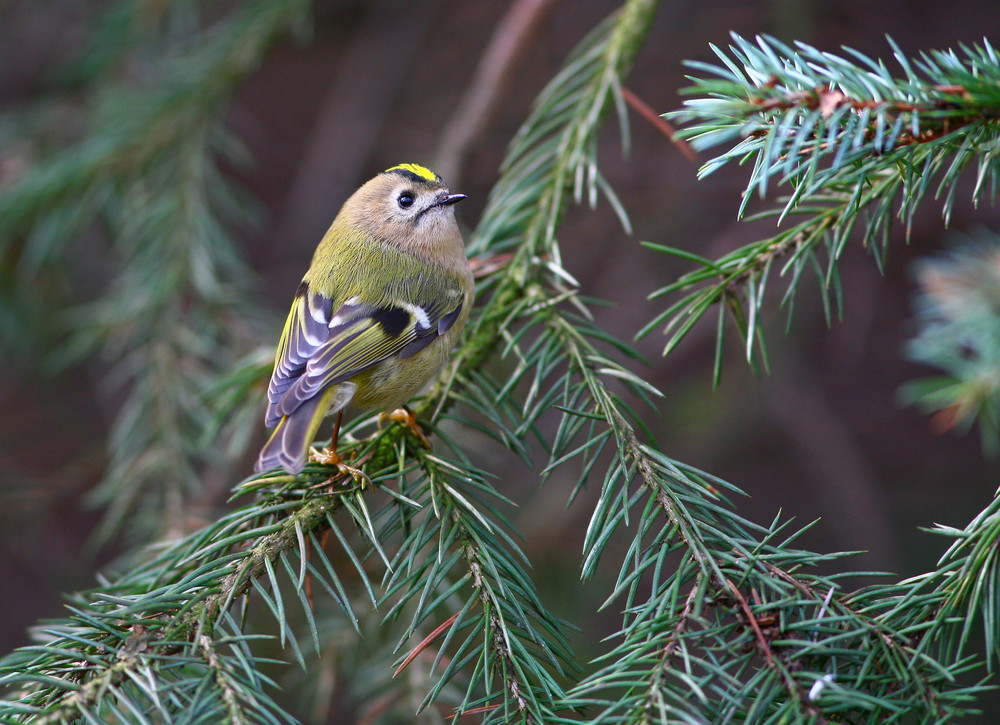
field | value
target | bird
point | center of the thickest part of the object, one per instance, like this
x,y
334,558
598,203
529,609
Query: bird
x,y
376,315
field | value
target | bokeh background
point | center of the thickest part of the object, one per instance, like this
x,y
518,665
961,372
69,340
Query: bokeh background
x,y
823,436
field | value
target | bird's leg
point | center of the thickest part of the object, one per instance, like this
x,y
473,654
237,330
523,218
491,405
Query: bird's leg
x,y
407,418
330,457
336,430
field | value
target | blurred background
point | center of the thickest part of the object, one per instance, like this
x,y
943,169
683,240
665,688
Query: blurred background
x,y
370,84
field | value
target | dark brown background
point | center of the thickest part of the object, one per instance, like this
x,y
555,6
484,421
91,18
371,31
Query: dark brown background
x,y
821,436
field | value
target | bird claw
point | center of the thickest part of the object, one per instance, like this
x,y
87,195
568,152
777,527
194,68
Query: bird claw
x,y
407,418
329,457
360,477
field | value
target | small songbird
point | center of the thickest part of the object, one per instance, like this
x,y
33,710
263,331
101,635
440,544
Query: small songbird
x,y
377,313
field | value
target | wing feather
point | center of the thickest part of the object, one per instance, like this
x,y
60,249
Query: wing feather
x,y
321,347
306,330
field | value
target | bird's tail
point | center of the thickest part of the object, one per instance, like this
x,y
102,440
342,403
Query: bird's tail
x,y
289,443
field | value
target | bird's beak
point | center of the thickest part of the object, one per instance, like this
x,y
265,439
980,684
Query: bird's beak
x,y
450,199
442,199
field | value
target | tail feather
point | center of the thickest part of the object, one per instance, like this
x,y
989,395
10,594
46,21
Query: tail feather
x,y
289,443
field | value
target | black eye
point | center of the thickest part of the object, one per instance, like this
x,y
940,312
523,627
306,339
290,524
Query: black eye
x,y
405,200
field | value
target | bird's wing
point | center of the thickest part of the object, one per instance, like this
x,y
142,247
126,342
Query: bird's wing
x,y
306,330
321,347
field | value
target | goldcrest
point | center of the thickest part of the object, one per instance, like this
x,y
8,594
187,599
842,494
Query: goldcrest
x,y
377,313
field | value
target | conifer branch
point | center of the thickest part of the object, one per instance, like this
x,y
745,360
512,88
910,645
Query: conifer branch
x,y
172,315
722,619
855,146
243,554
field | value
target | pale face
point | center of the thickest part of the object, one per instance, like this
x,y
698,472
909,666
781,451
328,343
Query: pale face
x,y
398,208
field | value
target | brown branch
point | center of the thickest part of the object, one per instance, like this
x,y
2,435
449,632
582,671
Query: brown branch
x,y
892,640
828,99
659,123
668,649
474,711
426,641
764,645
512,35
497,640
355,104
765,648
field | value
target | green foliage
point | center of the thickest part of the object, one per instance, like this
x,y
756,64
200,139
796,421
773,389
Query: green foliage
x,y
958,311
142,179
855,146
722,619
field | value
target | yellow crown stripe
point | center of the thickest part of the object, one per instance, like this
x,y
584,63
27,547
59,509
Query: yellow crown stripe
x,y
416,169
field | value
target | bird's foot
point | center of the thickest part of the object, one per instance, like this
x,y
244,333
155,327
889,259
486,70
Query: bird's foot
x,y
330,457
360,477
327,456
407,418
